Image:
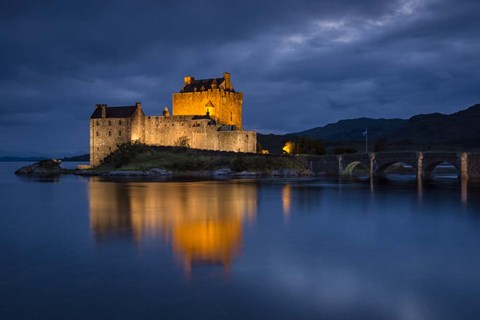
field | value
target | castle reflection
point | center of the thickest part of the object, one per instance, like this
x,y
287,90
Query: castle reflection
x,y
202,220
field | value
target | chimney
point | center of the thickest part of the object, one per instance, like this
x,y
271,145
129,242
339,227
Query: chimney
x,y
165,112
104,110
228,83
214,84
188,79
138,105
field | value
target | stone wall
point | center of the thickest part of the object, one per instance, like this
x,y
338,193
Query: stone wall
x,y
223,105
138,125
105,135
198,134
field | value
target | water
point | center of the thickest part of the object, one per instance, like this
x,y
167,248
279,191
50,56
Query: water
x,y
83,248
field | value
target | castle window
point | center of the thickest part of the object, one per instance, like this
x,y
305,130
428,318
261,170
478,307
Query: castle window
x,y
109,148
98,133
98,123
109,133
98,149
109,122
119,133
120,122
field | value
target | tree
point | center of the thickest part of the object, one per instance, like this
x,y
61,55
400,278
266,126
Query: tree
x,y
344,150
306,145
379,145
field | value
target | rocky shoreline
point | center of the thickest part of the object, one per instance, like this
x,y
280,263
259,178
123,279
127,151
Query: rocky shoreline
x,y
52,168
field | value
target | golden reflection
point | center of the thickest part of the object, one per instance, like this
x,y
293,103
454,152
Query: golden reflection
x,y
286,201
464,189
420,188
203,220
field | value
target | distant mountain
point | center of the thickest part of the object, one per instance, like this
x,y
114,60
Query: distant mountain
x,y
80,158
353,129
21,159
457,131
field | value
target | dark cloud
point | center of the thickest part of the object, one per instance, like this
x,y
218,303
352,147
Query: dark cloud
x,y
300,63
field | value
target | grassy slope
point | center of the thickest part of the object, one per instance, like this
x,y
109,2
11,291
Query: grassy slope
x,y
141,157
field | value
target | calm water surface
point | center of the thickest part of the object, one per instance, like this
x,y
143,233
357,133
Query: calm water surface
x,y
80,248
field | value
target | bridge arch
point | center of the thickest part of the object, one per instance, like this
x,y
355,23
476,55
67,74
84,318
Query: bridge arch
x,y
350,167
382,167
429,170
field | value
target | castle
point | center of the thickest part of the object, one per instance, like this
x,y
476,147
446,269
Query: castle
x,y
206,114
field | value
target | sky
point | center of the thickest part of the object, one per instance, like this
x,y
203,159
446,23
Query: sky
x,y
300,64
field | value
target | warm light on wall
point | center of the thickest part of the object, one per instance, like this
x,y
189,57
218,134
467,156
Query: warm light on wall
x,y
289,147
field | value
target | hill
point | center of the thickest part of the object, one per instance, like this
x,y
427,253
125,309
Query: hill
x,y
352,129
458,131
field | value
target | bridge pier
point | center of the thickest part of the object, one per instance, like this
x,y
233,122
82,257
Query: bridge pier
x,y
473,166
420,173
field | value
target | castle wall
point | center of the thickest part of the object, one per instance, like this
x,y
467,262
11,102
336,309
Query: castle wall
x,y
105,135
225,106
138,125
198,134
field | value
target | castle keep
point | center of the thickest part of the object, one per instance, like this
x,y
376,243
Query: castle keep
x,y
206,114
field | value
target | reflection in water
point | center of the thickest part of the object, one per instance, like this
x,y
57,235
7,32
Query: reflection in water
x,y
420,188
464,190
203,220
286,201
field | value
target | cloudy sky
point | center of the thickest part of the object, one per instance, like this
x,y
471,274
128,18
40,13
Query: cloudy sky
x,y
300,64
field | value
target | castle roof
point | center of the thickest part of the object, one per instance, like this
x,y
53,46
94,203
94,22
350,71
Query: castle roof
x,y
202,85
115,112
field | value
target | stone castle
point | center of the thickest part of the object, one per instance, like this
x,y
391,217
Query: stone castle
x,y
206,114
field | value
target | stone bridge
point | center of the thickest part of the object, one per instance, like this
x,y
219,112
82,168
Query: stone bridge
x,y
468,164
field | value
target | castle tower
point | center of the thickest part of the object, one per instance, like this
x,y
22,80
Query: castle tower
x,y
214,97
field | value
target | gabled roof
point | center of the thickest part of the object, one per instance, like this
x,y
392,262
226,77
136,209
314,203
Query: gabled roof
x,y
115,112
202,85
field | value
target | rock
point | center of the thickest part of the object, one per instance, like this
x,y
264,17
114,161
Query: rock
x,y
245,174
84,167
127,173
86,173
222,172
160,172
289,173
275,173
42,168
149,173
